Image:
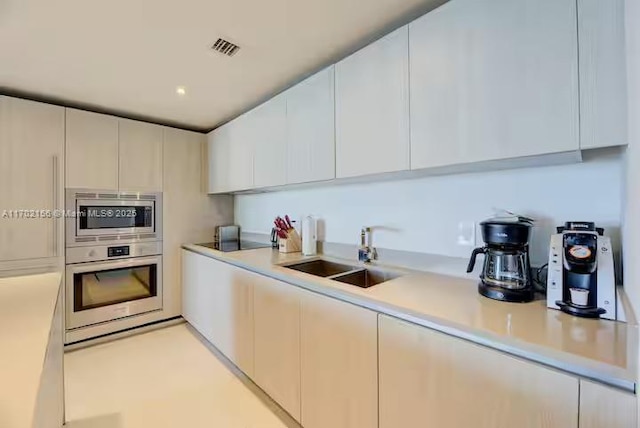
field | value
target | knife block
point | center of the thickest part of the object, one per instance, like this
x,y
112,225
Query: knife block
x,y
292,244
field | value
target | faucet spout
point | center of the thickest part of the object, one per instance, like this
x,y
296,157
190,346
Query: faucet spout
x,y
366,252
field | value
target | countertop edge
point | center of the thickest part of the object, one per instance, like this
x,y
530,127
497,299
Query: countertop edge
x,y
42,335
529,352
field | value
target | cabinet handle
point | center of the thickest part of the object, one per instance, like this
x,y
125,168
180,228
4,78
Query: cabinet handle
x,y
55,205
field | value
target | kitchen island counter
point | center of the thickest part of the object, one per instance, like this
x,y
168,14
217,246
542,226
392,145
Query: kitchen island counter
x,y
27,305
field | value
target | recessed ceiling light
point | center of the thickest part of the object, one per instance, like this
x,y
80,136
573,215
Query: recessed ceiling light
x,y
181,90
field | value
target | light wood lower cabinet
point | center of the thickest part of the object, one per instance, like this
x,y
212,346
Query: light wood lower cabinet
x,y
339,360
604,407
277,341
197,293
329,363
429,379
218,302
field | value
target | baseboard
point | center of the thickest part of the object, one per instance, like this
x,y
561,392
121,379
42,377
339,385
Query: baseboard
x,y
156,325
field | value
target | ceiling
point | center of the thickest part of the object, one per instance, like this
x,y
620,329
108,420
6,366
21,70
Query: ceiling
x,y
128,56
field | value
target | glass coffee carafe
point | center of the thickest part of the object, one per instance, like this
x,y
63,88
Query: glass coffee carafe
x,y
507,269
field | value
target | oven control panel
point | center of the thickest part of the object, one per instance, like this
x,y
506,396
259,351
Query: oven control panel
x,y
112,252
118,251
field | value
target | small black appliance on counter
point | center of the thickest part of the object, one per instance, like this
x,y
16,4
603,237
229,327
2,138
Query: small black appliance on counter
x,y
506,274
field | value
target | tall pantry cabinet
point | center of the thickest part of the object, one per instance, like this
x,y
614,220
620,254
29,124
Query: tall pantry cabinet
x,y
32,179
189,214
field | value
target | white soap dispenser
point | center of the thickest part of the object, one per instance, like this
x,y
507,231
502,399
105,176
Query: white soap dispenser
x,y
309,236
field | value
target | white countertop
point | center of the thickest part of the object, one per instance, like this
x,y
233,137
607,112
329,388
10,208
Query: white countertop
x,y
602,350
27,304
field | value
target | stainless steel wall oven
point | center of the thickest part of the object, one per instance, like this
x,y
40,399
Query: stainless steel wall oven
x,y
113,260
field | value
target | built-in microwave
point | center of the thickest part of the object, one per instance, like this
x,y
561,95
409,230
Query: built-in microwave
x,y
96,216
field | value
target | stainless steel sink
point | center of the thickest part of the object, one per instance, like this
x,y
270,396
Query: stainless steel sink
x,y
365,278
353,275
322,268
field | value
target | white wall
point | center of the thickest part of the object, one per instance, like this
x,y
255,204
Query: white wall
x,y
422,215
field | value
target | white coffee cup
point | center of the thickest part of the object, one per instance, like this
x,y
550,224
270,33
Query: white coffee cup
x,y
579,296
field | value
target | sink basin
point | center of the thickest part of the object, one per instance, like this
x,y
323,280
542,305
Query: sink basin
x,y
322,268
365,278
353,275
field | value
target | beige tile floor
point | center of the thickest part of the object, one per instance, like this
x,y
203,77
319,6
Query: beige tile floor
x,y
164,378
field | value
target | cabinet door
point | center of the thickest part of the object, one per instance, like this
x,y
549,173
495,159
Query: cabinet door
x,y
182,208
603,98
430,379
339,364
218,142
493,79
140,156
604,407
232,310
372,108
241,153
91,150
31,178
198,293
267,128
218,302
276,307
311,145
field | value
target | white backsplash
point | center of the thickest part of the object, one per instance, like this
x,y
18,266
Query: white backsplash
x,y
423,215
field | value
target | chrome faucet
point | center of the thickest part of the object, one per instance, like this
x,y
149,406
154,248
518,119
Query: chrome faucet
x,y
366,252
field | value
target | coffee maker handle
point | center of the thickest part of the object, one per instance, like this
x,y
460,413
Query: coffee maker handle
x,y
474,254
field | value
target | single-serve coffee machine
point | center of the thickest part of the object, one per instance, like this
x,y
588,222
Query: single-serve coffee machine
x,y
581,278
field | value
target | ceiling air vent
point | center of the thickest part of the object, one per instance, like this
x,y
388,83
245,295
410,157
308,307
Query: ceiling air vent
x,y
225,47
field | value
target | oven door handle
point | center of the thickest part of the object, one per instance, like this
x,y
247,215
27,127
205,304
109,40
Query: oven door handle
x,y
115,264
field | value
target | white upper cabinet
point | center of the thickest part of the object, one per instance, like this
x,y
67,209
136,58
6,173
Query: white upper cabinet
x,y
493,79
311,147
140,156
31,178
231,156
372,108
91,150
267,128
241,154
471,81
603,104
218,142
